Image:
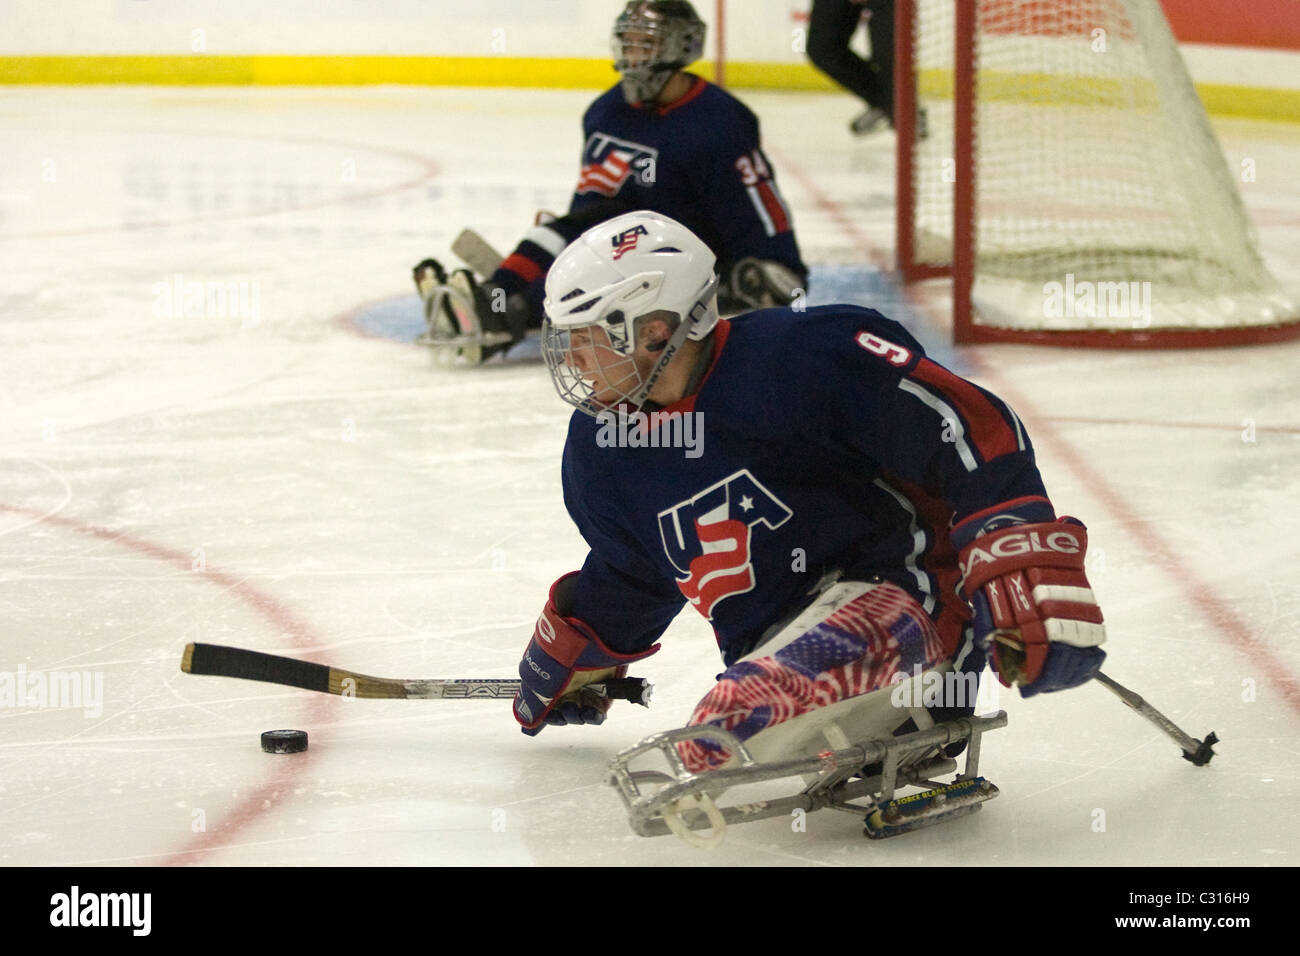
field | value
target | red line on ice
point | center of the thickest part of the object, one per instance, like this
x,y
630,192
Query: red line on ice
x,y
286,772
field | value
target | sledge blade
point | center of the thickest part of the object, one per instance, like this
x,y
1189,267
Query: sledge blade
x,y
917,810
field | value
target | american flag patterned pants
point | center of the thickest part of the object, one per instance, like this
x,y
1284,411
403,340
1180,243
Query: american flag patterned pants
x,y
853,640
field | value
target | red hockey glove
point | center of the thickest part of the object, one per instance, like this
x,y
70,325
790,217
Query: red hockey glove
x,y
564,656
1032,603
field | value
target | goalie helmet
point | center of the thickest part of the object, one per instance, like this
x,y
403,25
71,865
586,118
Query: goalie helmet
x,y
653,39
635,266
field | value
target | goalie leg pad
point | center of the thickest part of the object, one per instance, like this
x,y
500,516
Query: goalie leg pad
x,y
762,284
852,641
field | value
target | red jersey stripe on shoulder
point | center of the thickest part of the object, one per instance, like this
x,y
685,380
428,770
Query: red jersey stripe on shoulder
x,y
698,88
990,432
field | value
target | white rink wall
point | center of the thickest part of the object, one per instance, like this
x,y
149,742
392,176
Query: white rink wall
x,y
386,27
1239,66
763,31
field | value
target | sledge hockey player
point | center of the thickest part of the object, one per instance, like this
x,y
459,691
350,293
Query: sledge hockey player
x,y
846,510
661,139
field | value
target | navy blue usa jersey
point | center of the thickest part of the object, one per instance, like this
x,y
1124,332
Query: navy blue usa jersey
x,y
823,441
697,160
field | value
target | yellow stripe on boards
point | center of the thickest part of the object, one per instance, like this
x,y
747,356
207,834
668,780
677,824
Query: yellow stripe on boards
x,y
560,73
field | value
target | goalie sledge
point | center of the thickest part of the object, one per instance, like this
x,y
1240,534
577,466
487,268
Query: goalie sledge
x,y
830,449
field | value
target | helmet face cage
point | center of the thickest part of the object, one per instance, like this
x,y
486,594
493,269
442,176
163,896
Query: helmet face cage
x,y
602,350
653,39
592,365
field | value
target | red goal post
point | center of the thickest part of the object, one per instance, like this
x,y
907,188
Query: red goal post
x,y
1068,181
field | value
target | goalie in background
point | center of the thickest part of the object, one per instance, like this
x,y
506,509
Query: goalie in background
x,y
663,140
854,511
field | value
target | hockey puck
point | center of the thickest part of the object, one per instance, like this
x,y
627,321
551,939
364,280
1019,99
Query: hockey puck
x,y
284,741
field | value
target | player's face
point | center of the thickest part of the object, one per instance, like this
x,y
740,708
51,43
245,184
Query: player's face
x,y
634,49
611,376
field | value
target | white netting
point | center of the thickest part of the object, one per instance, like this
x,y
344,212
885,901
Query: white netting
x,y
1103,199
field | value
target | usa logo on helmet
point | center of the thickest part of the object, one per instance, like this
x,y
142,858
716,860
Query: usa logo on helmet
x,y
626,241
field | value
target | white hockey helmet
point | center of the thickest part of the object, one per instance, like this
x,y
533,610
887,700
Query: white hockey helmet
x,y
612,275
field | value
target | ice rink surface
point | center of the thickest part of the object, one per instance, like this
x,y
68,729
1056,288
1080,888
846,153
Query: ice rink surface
x,y
273,475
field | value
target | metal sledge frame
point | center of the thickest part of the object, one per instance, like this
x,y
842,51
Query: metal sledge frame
x,y
661,811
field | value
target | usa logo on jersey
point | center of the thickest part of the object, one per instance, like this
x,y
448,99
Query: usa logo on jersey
x,y
707,538
609,162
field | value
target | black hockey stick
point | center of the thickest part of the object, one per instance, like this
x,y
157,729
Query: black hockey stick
x,y
1198,752
219,661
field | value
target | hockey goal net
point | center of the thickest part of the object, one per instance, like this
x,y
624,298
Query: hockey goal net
x,y
1055,160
